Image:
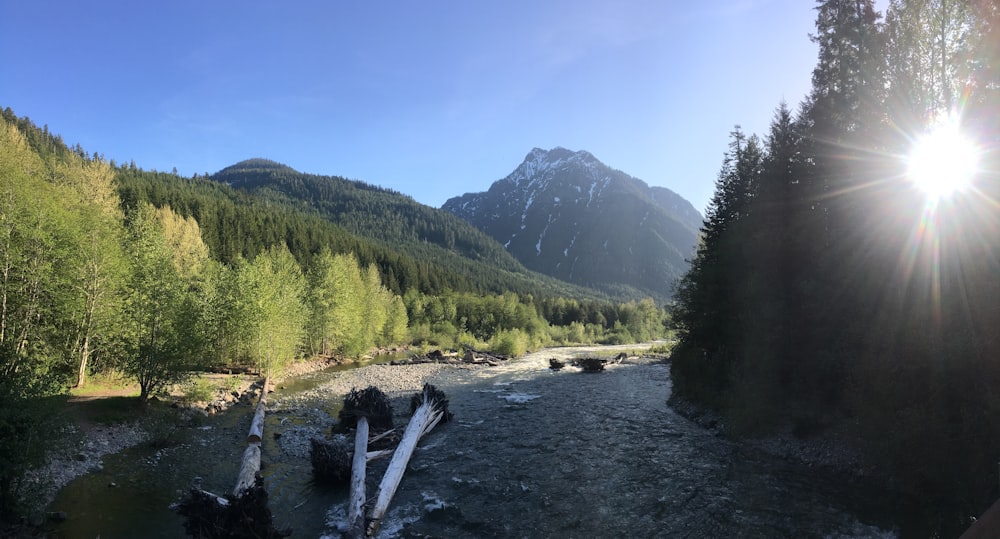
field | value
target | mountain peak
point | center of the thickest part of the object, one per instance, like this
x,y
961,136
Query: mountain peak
x,y
566,214
557,154
257,163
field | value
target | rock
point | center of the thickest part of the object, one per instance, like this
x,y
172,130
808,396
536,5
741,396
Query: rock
x,y
80,457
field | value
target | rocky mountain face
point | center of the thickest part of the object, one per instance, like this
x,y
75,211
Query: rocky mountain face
x,y
566,214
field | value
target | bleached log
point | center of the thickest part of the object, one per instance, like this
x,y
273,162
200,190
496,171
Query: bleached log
x,y
372,456
356,506
251,456
422,416
248,469
257,423
434,420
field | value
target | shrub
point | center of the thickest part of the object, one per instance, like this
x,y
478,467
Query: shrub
x,y
509,343
199,390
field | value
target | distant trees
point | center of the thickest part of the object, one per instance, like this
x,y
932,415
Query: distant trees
x,y
827,291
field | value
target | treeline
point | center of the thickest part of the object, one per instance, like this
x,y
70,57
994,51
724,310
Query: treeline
x,y
512,324
236,225
828,292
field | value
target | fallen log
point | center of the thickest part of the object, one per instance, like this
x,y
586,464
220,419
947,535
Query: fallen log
x,y
257,423
243,513
360,406
356,505
248,469
432,408
251,456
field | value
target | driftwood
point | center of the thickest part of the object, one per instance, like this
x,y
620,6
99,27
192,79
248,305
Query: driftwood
x,y
359,466
248,469
251,457
244,512
362,407
470,356
257,423
370,403
432,408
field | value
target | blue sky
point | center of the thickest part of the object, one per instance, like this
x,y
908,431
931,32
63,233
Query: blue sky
x,y
433,98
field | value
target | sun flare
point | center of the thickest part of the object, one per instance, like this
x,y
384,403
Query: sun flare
x,y
942,161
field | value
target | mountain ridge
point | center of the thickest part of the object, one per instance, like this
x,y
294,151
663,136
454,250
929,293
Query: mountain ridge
x,y
397,222
568,215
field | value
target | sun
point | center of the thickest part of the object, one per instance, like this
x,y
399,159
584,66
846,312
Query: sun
x,y
942,161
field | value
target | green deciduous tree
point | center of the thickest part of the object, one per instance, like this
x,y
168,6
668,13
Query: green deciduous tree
x,y
277,300
162,339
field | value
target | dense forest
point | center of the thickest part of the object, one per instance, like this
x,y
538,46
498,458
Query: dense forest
x,y
829,293
113,270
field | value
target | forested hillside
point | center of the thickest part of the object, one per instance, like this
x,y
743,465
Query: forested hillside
x,y
448,252
833,291
366,210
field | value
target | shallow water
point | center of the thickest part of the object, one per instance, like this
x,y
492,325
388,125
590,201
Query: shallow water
x,y
531,453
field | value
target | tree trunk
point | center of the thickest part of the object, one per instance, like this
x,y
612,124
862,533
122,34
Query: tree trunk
x,y
248,470
81,377
423,416
251,457
257,424
356,506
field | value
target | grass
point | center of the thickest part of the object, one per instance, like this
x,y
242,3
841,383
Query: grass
x,y
102,385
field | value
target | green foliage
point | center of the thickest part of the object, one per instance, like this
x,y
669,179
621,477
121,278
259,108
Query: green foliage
x,y
509,343
199,389
278,309
162,338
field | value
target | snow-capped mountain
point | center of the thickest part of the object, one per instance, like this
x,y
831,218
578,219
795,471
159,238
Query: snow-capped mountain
x,y
568,215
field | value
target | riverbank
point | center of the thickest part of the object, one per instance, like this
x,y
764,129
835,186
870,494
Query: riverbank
x,y
105,420
570,453
832,450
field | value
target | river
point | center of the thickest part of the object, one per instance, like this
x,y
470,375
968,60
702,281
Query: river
x,y
531,453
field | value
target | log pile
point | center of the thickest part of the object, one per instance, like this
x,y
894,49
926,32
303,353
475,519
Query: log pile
x,y
334,460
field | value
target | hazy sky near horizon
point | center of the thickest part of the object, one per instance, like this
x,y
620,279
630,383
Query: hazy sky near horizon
x,y
433,99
